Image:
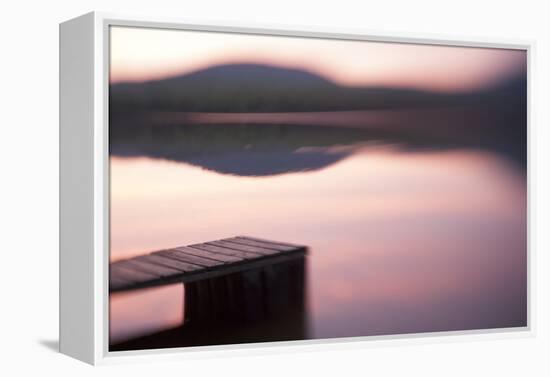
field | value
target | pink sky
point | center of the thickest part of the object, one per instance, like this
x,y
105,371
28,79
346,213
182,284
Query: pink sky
x,y
139,54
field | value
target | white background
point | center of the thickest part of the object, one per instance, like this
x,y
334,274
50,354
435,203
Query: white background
x,y
29,185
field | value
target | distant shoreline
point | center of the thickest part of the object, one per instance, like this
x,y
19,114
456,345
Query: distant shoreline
x,y
455,116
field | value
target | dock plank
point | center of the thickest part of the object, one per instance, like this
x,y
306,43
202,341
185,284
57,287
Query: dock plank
x,y
199,262
260,251
267,245
188,258
270,241
132,276
142,264
209,254
118,284
178,265
224,251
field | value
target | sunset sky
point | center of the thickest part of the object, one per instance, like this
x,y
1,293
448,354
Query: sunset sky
x,y
139,54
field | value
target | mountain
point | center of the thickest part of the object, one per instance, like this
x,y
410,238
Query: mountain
x,y
251,76
151,119
259,88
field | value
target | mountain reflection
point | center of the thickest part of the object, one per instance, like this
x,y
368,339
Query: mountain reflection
x,y
246,150
265,149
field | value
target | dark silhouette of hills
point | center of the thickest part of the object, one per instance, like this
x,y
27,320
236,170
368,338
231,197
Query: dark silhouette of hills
x,y
149,119
254,76
260,88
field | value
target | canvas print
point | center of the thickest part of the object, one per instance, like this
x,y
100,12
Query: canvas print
x,y
272,188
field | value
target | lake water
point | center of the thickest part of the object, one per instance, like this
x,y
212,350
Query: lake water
x,y
401,241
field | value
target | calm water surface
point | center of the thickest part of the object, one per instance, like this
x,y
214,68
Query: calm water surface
x,y
399,241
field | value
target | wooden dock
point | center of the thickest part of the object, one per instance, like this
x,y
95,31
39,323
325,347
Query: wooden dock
x,y
194,263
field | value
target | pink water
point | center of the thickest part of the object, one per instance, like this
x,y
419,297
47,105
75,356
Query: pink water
x,y
400,242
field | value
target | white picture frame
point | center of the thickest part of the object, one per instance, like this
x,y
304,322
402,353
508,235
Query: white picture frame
x,y
84,189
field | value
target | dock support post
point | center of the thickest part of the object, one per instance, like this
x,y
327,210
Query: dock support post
x,y
249,296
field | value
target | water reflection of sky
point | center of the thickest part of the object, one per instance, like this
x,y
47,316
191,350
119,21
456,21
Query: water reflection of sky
x,y
400,242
